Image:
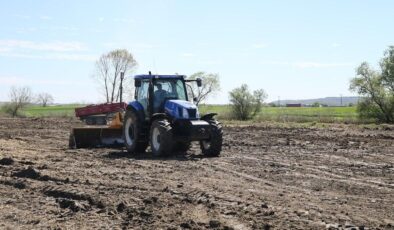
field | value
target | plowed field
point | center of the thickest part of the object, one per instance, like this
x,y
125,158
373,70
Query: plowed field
x,y
267,177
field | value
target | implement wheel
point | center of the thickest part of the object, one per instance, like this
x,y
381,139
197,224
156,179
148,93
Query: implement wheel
x,y
131,132
161,141
213,146
71,141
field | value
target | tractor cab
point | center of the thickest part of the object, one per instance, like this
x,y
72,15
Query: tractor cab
x,y
153,91
165,94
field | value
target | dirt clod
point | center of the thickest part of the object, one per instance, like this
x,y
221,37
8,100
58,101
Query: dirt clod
x,y
71,204
214,223
121,207
15,184
30,172
6,161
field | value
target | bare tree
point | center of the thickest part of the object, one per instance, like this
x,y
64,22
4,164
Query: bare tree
x,y
210,86
19,98
108,70
44,99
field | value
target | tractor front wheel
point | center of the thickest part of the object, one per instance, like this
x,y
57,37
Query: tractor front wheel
x,y
213,146
161,141
131,131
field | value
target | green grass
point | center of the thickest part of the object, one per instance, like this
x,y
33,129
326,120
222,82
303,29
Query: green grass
x,y
50,111
306,114
277,114
292,114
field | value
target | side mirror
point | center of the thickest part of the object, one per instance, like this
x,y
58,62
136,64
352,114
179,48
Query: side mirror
x,y
199,82
195,99
137,83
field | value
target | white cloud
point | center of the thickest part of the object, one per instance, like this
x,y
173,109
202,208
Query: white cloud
x,y
26,30
22,16
101,19
188,55
259,45
42,46
4,49
144,46
74,57
304,65
45,17
53,56
335,45
126,45
17,80
63,28
124,20
209,62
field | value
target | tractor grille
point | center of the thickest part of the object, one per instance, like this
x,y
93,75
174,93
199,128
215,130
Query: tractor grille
x,y
192,113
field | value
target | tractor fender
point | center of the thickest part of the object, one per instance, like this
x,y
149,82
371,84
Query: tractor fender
x,y
137,108
208,116
159,116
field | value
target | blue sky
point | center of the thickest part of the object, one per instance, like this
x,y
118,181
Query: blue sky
x,y
292,49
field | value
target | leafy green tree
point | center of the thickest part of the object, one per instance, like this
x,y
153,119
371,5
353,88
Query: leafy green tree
x,y
377,89
245,104
210,86
316,104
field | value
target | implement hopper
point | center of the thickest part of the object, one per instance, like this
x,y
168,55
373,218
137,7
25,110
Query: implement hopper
x,y
99,136
95,137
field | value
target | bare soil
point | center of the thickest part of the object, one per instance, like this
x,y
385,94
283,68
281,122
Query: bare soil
x,y
267,177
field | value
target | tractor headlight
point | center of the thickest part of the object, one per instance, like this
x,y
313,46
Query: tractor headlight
x,y
185,113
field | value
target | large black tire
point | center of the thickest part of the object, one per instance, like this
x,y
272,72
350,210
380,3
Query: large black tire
x,y
181,147
213,146
161,141
131,133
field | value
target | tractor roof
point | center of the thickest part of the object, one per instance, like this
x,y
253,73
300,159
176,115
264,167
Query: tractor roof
x,y
155,76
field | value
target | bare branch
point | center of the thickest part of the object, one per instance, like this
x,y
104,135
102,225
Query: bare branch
x,y
44,99
108,69
210,85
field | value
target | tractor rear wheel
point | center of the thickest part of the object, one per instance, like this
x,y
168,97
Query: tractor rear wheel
x,y
131,133
161,141
213,146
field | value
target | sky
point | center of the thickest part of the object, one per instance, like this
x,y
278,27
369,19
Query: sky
x,y
293,49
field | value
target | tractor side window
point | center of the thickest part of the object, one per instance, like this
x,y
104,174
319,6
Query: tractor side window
x,y
180,90
143,93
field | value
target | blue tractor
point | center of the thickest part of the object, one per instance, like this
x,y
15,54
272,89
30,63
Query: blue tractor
x,y
162,116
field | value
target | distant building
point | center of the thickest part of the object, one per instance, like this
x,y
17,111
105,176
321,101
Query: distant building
x,y
294,105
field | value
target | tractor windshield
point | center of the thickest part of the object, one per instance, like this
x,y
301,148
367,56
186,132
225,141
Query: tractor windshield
x,y
168,89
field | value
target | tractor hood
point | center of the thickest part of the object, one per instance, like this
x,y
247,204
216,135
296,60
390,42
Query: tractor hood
x,y
180,109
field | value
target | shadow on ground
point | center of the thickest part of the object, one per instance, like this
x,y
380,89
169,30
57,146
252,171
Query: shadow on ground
x,y
150,156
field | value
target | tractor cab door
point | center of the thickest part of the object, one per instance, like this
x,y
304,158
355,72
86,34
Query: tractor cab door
x,y
143,96
161,90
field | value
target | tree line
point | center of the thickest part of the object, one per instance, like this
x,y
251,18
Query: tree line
x,y
245,104
20,97
375,86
